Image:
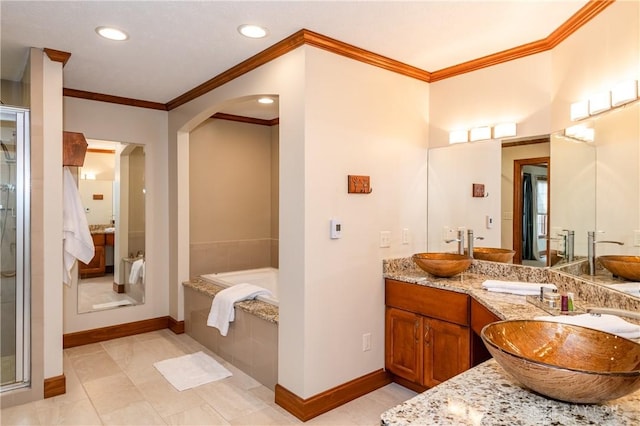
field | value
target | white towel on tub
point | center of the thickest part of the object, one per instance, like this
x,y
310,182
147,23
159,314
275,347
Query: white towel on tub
x,y
222,312
137,271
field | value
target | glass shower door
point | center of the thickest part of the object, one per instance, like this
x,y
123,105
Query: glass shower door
x,y
14,249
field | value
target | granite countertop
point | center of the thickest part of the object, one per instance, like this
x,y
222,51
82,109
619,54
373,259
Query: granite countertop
x,y
486,394
264,310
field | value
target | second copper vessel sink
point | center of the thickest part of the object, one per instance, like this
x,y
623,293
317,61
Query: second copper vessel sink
x,y
626,267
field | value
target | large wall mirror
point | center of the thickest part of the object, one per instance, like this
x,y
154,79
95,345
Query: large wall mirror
x,y
112,187
601,178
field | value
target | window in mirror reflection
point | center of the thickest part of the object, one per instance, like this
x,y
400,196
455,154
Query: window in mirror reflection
x,y
112,187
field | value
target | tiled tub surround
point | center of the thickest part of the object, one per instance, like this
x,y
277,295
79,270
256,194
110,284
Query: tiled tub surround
x,y
486,394
252,341
237,255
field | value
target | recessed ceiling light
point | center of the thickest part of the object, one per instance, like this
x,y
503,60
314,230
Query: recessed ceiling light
x,y
252,31
112,33
265,100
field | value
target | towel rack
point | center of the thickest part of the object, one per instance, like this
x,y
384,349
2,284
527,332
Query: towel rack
x,y
74,149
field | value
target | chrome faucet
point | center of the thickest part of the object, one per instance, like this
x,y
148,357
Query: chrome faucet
x,y
459,240
591,248
569,241
470,240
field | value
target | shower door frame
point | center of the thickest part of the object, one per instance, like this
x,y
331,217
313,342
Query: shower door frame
x,y
23,250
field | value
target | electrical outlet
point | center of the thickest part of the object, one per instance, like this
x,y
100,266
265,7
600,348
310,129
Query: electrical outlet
x,y
405,236
385,239
636,238
366,342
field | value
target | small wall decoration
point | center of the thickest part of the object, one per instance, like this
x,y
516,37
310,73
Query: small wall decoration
x,y
358,184
98,196
478,190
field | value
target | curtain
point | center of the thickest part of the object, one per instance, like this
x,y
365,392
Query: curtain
x,y
528,237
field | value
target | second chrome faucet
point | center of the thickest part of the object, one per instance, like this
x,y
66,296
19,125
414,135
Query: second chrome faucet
x,y
591,249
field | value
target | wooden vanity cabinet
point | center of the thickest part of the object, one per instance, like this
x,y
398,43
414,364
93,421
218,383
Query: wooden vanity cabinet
x,y
96,267
480,316
427,335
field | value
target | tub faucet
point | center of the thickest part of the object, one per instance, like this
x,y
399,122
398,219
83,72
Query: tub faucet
x,y
459,240
470,241
591,248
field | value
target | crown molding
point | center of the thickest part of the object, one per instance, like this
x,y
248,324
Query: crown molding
x,y
344,49
73,93
581,17
302,37
577,20
57,55
243,119
284,46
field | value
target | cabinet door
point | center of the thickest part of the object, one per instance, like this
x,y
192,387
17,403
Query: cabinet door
x,y
480,316
446,351
403,344
96,267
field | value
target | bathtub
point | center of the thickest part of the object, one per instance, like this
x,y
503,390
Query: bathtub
x,y
263,277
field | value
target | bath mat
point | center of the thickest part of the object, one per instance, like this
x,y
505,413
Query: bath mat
x,y
189,371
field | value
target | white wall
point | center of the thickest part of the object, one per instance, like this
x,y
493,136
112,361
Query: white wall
x,y
517,91
337,117
366,121
104,121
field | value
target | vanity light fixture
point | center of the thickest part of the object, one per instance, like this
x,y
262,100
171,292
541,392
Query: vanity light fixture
x,y
579,110
504,130
265,100
252,31
580,132
458,136
111,33
480,133
599,102
624,92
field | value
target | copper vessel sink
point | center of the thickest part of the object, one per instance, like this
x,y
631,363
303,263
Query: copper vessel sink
x,y
627,267
565,362
493,254
442,264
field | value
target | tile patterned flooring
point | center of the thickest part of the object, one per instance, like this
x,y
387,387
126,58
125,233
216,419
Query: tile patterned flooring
x,y
115,383
95,291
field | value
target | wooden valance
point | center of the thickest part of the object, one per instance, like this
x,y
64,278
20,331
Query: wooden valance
x,y
74,148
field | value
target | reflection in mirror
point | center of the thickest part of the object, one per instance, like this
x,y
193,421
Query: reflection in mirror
x,y
604,172
525,200
112,187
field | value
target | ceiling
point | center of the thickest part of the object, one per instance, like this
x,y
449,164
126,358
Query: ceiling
x,y
176,45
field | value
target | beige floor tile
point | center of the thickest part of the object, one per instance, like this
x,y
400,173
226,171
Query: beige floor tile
x,y
228,400
240,379
69,413
94,366
112,393
166,400
25,414
265,416
390,395
202,415
83,350
335,417
136,413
